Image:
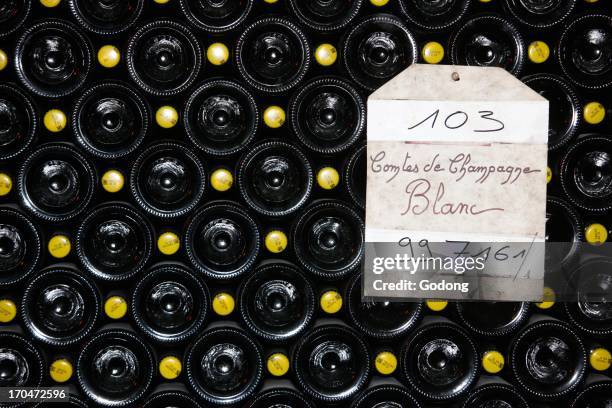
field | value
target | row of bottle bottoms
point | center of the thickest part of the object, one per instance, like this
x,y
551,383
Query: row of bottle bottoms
x,y
439,361
171,306
327,116
322,17
273,54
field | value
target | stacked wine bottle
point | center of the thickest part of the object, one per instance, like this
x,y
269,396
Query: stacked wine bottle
x,y
182,191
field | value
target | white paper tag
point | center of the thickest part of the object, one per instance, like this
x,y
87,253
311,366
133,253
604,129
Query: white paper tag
x,y
456,154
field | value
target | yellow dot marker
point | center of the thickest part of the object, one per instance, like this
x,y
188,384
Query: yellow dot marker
x,y
436,305
6,184
161,1
3,60
548,175
217,53
485,1
278,364
493,362
221,180
8,310
276,241
50,3
168,243
433,52
385,363
170,367
59,246
326,55
538,52
331,302
270,1
115,307
600,359
274,117
379,3
112,181
594,113
223,304
167,117
549,299
61,370
591,1
55,120
109,56
596,234
328,178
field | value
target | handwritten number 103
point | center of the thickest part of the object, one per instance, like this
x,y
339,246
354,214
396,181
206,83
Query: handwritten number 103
x,y
459,119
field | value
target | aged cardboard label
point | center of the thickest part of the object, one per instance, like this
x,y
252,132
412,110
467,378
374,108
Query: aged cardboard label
x,y
456,154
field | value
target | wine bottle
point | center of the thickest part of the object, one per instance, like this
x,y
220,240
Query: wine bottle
x,y
325,15
488,41
216,16
73,401
224,366
221,117
597,393
275,178
21,362
540,14
279,397
564,232
20,247
355,174
376,49
170,304
440,361
272,55
13,13
56,182
170,398
115,368
328,239
114,242
385,396
434,15
164,58
331,363
167,180
111,120
18,121
494,393
277,302
548,359
327,115
492,319
106,17
53,58
381,320
222,240
585,51
586,173
590,309
565,110
60,307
